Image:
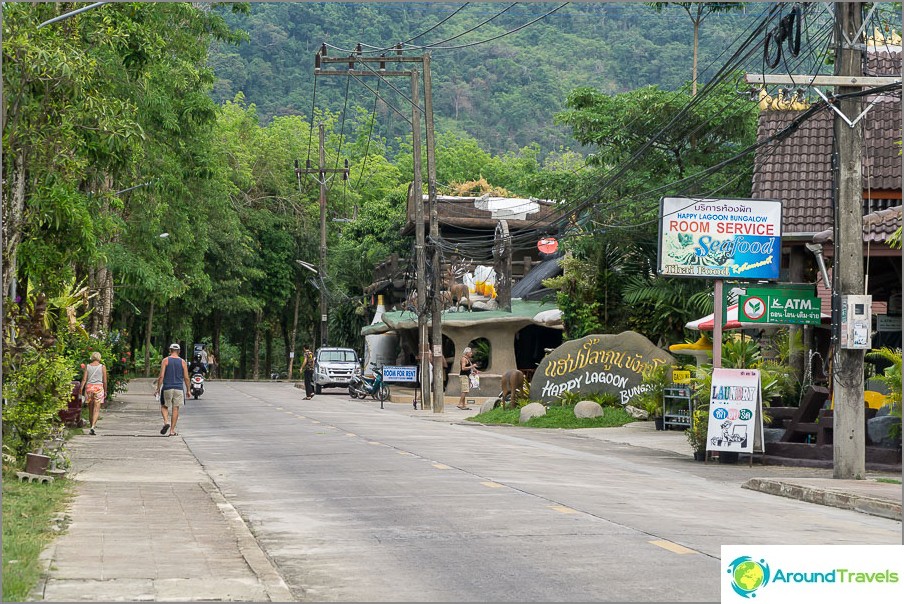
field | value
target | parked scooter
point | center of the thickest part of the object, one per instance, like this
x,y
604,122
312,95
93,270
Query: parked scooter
x,y
197,384
360,386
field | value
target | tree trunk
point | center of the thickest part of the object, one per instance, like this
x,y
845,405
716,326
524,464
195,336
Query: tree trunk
x,y
13,219
256,362
147,342
292,336
216,344
696,41
268,352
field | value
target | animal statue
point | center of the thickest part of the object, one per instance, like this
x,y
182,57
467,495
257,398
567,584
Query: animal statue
x,y
457,292
512,388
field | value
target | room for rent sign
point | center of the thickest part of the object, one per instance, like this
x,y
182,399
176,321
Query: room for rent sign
x,y
720,238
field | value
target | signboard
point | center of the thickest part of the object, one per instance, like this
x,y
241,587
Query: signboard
x,y
597,364
888,323
400,373
681,376
720,238
780,305
735,411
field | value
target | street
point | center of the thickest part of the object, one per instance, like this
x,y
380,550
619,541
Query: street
x,y
355,503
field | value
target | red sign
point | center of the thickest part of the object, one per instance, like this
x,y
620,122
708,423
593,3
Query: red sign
x,y
548,245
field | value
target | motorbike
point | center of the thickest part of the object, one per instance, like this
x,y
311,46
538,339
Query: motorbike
x,y
360,386
197,385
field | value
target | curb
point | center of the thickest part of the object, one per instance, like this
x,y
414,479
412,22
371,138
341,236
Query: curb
x,y
255,557
847,501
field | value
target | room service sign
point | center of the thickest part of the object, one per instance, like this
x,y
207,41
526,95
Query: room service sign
x,y
720,238
770,574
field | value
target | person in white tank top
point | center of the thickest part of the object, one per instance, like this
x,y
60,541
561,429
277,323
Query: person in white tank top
x,y
94,388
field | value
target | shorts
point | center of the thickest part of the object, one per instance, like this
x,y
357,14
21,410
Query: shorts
x,y
172,398
94,393
465,383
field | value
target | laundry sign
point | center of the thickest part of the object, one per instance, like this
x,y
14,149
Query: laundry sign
x,y
735,411
780,305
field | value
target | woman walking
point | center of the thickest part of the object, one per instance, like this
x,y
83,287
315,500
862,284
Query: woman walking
x,y
94,388
467,367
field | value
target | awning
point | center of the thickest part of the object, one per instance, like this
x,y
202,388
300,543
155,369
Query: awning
x,y
707,323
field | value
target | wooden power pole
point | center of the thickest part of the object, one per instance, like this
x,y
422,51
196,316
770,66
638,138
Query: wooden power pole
x,y
848,428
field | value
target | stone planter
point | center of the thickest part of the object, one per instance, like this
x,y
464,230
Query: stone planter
x,y
659,422
699,455
36,464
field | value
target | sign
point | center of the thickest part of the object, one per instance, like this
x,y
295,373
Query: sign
x,y
292,354
597,364
735,411
548,245
780,305
777,574
720,238
400,373
681,376
888,323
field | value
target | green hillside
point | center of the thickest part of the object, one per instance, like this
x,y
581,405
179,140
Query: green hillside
x,y
503,92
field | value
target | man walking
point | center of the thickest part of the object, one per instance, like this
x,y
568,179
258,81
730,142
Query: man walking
x,y
307,369
173,381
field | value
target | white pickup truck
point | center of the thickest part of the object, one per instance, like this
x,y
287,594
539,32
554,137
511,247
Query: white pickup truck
x,y
334,368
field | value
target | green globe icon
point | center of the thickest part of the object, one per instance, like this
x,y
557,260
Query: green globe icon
x,y
748,575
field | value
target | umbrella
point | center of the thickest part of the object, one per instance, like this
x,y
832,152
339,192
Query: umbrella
x,y
707,323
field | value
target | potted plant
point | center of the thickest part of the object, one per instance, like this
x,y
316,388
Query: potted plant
x,y
696,434
655,381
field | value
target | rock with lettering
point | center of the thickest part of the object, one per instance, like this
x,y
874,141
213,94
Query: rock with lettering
x,y
587,409
597,364
531,410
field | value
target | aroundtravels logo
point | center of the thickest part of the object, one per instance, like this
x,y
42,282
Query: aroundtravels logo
x,y
748,575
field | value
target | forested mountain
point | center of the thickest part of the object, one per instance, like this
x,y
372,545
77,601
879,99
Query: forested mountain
x,y
503,91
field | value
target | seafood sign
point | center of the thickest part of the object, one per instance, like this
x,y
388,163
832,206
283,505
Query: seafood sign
x,y
720,238
597,363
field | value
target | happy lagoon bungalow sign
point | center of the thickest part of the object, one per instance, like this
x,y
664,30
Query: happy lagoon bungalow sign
x,y
595,364
720,238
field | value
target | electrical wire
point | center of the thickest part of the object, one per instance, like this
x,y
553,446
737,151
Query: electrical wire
x,y
370,132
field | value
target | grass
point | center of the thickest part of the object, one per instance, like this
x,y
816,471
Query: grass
x,y
28,513
556,417
889,480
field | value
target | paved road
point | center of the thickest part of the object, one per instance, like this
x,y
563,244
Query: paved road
x,y
354,503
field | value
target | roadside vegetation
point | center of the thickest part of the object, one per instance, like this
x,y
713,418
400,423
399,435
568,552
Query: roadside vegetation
x,y
556,417
29,513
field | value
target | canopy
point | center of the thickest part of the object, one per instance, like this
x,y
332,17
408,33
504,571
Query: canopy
x,y
707,323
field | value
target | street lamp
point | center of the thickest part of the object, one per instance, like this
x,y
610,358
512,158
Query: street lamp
x,y
323,301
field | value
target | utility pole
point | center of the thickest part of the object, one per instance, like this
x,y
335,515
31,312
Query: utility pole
x,y
848,428
416,198
321,172
848,424
436,320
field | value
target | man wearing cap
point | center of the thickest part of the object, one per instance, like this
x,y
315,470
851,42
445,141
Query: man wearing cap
x,y
173,381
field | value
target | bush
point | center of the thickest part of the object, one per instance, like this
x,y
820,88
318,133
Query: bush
x,y
34,392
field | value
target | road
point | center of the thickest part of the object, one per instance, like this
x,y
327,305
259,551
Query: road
x,y
355,503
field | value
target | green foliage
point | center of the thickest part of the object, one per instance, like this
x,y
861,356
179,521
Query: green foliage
x,y
557,417
891,375
655,381
36,386
696,434
663,306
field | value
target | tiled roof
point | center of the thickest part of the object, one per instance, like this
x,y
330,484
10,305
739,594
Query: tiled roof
x,y
797,170
883,63
463,212
877,226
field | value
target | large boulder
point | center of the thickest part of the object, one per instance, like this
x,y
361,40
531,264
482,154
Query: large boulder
x,y
597,364
637,412
531,410
773,435
587,410
488,405
879,431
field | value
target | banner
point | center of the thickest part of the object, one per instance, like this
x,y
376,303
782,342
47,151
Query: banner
x,y
735,411
720,238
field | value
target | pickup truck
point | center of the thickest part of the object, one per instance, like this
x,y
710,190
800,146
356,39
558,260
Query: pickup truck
x,y
334,368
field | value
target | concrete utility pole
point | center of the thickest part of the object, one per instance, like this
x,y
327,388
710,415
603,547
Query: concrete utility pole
x,y
436,320
849,438
416,198
321,172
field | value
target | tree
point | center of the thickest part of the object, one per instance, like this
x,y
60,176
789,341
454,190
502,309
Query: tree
x,y
698,11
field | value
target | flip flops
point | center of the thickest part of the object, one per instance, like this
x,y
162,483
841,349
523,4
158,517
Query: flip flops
x,y
164,429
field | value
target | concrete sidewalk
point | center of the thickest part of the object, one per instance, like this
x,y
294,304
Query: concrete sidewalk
x,y
148,524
